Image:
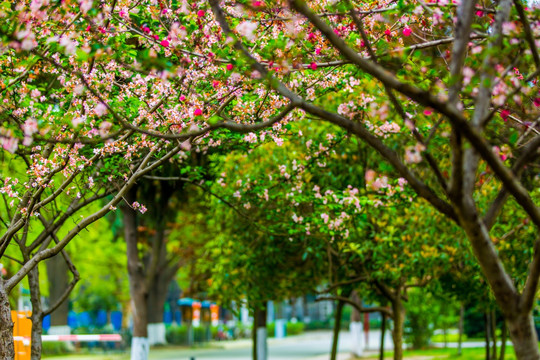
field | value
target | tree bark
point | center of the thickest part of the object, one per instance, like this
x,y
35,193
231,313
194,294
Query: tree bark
x,y
337,327
399,320
137,283
487,328
523,335
262,334
383,333
461,323
37,313
157,295
504,336
254,335
57,274
7,350
493,335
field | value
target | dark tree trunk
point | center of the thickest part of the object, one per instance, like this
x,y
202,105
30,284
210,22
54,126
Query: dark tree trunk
x,y
487,327
157,295
337,328
383,333
520,321
523,335
137,282
260,345
493,333
37,313
305,310
254,335
57,273
461,324
399,319
504,337
7,350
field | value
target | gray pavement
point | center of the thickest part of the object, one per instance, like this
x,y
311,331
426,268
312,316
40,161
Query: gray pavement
x,y
308,346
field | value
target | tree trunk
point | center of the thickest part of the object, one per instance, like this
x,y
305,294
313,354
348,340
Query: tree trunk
x,y
504,336
57,274
7,350
493,335
262,334
487,328
399,319
523,335
37,313
305,310
383,333
356,327
337,327
157,296
254,334
461,323
137,284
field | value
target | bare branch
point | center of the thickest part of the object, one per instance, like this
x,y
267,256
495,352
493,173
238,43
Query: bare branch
x,y
357,306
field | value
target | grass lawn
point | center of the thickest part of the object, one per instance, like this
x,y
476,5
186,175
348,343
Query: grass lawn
x,y
437,354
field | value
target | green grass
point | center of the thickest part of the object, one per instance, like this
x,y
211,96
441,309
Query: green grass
x,y
449,338
450,354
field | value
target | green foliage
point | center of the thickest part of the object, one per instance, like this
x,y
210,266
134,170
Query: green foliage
x,y
425,313
51,348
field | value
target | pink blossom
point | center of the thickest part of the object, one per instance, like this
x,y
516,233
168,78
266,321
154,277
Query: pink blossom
x,y
197,112
537,101
370,176
101,109
35,93
10,144
230,67
318,51
428,112
182,98
104,128
247,28
200,13
85,6
313,66
257,3
30,127
407,31
504,114
164,43
186,145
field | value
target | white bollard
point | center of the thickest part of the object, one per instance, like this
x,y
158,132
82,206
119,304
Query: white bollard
x,y
139,348
357,335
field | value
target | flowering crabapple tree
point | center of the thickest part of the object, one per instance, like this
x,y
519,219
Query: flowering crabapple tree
x,y
457,100
43,200
456,81
101,88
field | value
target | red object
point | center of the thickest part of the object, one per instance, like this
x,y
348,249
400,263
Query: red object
x,y
197,112
366,327
230,67
200,13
